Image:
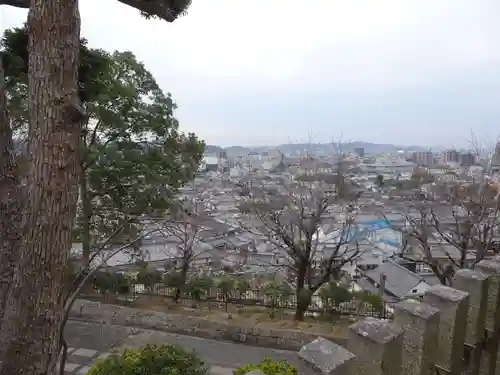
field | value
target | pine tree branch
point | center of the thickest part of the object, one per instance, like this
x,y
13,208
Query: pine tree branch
x,y
16,3
168,10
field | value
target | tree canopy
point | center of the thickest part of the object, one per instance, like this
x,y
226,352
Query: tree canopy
x,y
118,129
134,156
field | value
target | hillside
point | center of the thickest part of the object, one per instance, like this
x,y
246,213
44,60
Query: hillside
x,y
315,147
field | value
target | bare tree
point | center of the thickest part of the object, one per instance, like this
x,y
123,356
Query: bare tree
x,y
101,254
449,228
309,216
182,231
419,238
471,222
187,230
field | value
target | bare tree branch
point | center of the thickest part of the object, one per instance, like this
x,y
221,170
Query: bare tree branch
x,y
82,278
310,218
461,222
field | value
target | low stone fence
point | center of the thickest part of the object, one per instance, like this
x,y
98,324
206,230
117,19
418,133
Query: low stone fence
x,y
453,331
193,326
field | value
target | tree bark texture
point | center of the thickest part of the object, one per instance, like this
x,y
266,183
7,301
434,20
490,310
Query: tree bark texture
x,y
32,320
86,217
10,202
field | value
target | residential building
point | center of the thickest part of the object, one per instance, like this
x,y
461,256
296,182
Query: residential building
x,y
360,151
467,159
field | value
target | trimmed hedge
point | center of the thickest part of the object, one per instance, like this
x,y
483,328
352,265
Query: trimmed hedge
x,y
151,360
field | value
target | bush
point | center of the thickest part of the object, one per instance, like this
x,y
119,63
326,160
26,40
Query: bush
x,y
198,287
374,300
148,277
110,282
269,367
151,360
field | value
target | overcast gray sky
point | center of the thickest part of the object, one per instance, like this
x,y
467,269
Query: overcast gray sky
x,y
253,72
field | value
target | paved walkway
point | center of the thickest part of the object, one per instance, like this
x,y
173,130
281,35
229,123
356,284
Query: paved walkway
x,y
80,359
91,341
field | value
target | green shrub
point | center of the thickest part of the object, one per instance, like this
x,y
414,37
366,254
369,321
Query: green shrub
x,y
151,360
148,277
374,300
269,367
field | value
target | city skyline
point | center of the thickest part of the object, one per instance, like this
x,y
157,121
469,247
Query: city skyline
x,y
353,145
387,72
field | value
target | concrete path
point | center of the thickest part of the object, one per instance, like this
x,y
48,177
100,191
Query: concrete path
x,y
90,341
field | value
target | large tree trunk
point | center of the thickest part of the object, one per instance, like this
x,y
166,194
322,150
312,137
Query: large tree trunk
x,y
86,217
10,202
32,320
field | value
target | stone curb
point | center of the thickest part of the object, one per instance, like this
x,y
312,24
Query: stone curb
x,y
283,339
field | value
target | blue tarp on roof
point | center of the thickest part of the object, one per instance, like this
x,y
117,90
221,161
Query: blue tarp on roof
x,y
362,229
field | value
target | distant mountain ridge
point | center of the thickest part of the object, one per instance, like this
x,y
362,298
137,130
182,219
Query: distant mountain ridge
x,y
315,147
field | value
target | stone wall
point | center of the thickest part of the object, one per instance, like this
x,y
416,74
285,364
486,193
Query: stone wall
x,y
453,331
193,326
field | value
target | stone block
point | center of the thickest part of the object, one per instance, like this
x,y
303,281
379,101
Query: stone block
x,y
490,361
82,352
491,269
420,323
70,367
453,305
476,284
325,357
377,345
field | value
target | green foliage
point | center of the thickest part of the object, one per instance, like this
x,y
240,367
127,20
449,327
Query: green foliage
x,y
173,279
148,277
134,156
111,282
198,287
374,300
151,360
269,367
332,295
14,51
14,46
226,285
277,293
174,9
242,286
